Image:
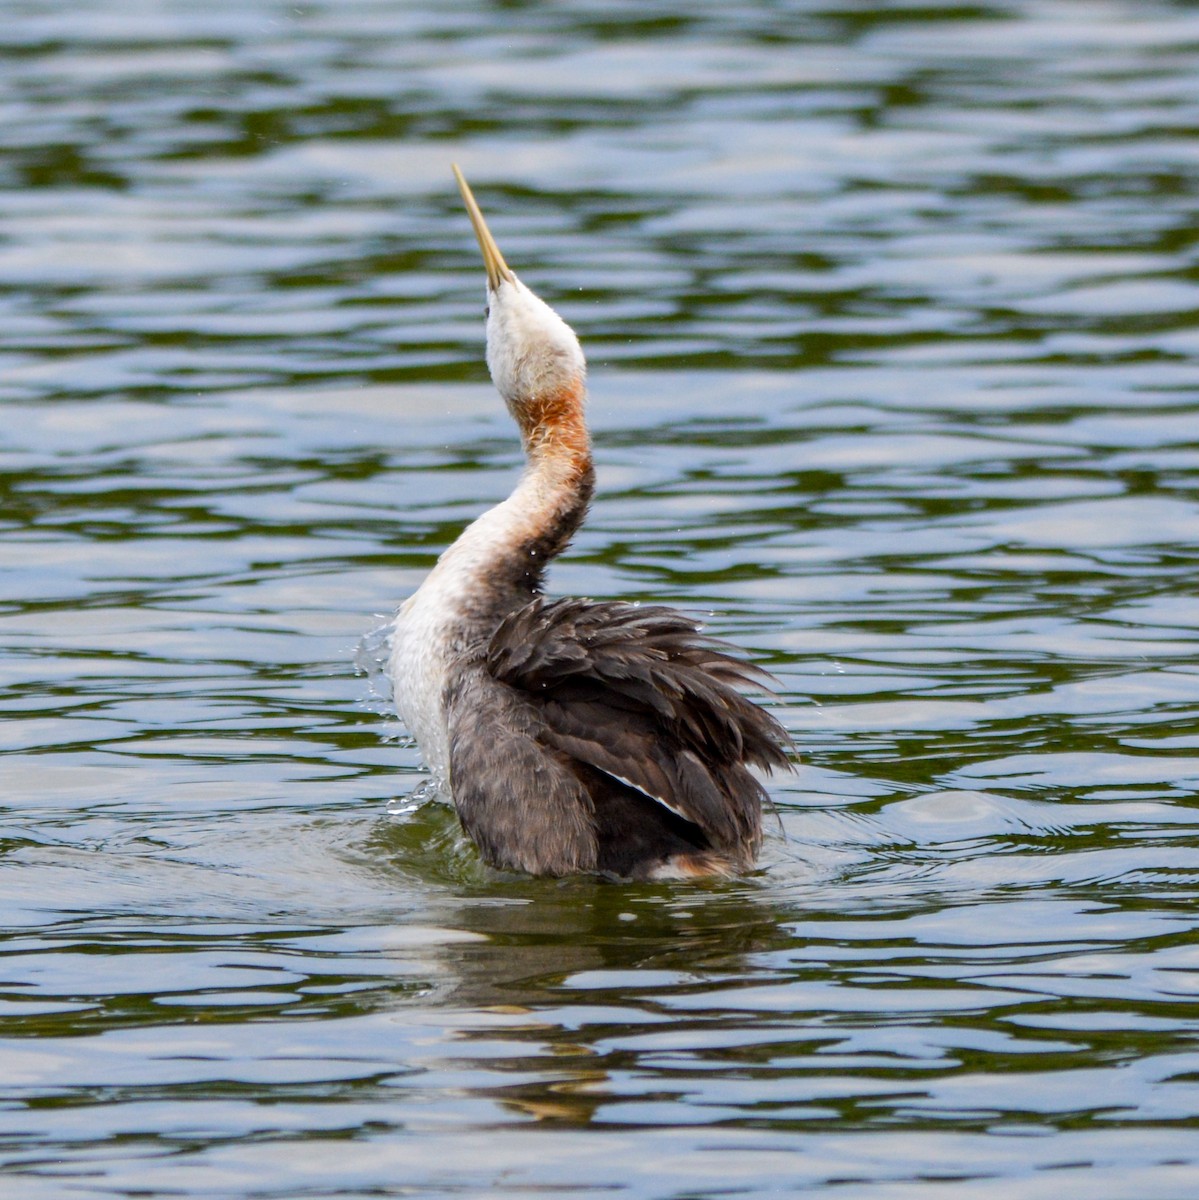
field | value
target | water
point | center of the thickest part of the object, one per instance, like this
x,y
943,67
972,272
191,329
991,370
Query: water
x,y
891,316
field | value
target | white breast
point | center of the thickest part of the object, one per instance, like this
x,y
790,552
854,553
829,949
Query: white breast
x,y
430,627
419,660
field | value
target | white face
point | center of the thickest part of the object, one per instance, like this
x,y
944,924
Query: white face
x,y
532,353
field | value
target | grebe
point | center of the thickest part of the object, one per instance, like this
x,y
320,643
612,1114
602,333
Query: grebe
x,y
572,735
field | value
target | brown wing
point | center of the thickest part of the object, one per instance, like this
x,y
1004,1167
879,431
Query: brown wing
x,y
640,694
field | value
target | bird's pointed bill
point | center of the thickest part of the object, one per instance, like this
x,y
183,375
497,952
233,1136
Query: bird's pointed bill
x,y
493,260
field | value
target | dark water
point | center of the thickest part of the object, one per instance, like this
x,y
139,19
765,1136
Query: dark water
x,y
891,310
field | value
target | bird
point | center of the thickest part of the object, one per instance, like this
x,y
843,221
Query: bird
x,y
573,736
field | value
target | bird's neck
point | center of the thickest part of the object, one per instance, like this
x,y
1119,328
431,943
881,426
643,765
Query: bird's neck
x,y
500,559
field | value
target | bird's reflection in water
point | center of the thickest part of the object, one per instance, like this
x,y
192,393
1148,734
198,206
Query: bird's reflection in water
x,y
562,986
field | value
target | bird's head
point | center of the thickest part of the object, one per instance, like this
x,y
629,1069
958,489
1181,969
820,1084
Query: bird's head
x,y
534,357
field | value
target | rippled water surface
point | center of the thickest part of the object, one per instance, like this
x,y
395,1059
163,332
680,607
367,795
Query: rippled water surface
x,y
891,311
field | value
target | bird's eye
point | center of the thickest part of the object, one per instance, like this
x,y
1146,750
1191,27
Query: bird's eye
x,y
486,311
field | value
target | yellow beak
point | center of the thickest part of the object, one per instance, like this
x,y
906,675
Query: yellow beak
x,y
493,260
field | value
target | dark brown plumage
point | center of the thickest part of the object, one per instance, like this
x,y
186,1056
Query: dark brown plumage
x,y
609,737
